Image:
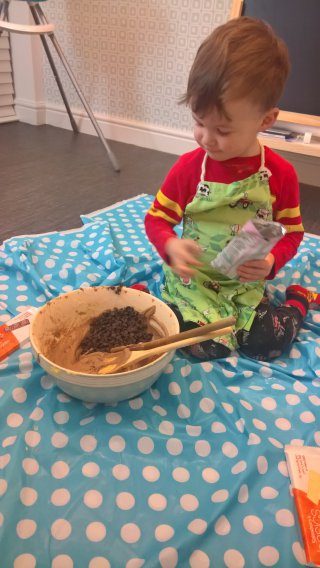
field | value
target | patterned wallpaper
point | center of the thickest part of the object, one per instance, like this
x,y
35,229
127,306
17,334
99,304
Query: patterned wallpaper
x,y
132,57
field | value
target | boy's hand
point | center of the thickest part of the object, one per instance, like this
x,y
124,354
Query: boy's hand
x,y
256,269
183,253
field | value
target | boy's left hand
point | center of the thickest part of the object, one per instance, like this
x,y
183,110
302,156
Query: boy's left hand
x,y
256,269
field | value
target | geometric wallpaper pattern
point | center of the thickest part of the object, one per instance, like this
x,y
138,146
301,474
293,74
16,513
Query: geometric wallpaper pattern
x,y
132,57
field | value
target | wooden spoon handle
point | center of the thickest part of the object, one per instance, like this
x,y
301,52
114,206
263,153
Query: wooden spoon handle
x,y
136,356
195,332
188,341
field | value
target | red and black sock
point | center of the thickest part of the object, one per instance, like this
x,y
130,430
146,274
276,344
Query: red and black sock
x,y
299,297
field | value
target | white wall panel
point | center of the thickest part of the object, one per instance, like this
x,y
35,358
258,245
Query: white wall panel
x,y
132,58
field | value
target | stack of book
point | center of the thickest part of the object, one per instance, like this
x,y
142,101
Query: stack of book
x,y
282,133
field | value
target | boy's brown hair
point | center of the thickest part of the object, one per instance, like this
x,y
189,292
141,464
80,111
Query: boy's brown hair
x,y
240,59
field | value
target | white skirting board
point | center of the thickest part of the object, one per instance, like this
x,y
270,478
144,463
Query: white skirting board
x,y
30,112
144,135
5,119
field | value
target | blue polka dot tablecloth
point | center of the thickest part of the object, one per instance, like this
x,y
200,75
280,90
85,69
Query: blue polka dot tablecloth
x,y
192,473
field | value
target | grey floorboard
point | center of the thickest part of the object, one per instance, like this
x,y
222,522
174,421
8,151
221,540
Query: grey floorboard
x,y
49,177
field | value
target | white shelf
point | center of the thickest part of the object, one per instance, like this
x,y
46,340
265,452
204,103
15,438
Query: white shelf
x,y
312,149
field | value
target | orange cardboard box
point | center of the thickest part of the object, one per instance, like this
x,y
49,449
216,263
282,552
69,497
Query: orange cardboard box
x,y
304,470
15,332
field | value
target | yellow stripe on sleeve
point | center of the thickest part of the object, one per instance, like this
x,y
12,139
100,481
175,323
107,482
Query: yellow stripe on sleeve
x,y
289,213
158,213
294,228
169,204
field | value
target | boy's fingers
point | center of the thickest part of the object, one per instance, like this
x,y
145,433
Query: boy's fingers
x,y
257,263
193,247
191,252
183,271
188,258
195,261
246,270
253,277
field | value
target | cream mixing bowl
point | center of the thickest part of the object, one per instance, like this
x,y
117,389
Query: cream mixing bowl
x,y
60,318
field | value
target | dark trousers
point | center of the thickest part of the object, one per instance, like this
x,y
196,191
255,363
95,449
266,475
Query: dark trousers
x,y
272,332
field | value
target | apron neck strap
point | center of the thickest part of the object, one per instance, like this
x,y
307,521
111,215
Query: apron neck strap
x,y
262,162
262,156
203,167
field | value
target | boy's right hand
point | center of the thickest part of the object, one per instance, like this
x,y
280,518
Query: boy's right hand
x,y
183,255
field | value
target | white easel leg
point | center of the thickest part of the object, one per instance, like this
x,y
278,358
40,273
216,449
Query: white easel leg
x,y
41,16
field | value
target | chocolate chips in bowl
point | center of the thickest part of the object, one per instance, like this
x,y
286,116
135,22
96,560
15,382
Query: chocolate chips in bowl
x,y
112,328
115,328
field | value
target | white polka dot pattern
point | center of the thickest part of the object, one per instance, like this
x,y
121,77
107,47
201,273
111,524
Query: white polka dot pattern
x,y
191,472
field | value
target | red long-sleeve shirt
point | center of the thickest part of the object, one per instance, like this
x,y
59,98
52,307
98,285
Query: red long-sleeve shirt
x,y
180,187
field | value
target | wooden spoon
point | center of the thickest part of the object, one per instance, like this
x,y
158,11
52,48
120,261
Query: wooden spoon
x,y
201,330
117,361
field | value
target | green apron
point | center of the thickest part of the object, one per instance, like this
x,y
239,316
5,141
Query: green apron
x,y
216,214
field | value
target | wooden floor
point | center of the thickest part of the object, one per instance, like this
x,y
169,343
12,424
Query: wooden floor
x,y
49,176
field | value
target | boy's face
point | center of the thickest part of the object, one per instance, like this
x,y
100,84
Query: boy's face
x,y
224,139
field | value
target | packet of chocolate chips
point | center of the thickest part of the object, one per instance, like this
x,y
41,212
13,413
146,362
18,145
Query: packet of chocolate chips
x,y
254,241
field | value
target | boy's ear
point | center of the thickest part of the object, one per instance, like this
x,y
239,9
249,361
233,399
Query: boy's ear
x,y
269,118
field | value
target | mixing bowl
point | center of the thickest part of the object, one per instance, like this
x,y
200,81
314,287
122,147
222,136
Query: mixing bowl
x,y
74,309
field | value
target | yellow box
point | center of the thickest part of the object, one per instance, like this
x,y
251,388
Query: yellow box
x,y
304,470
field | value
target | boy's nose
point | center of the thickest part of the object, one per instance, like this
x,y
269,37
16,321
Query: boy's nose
x,y
208,139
